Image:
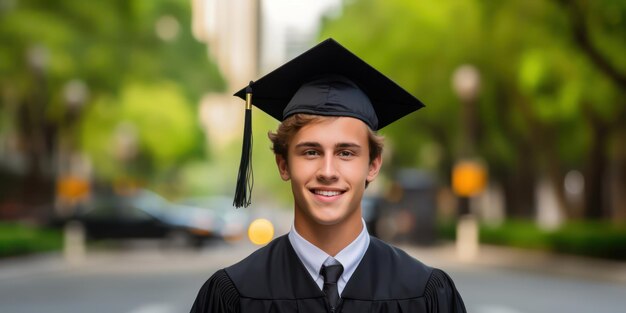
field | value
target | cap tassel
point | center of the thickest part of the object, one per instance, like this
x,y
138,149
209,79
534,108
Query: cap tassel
x,y
245,178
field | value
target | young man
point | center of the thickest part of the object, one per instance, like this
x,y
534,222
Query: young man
x,y
330,103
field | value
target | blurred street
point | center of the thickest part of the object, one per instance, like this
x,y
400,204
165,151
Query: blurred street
x,y
142,277
118,128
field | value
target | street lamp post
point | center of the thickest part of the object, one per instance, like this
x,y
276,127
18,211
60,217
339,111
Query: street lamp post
x,y
73,171
72,168
469,175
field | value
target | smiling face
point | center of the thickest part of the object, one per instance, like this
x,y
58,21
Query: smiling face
x,y
328,164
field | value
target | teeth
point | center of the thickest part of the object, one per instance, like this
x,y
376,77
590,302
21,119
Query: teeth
x,y
327,193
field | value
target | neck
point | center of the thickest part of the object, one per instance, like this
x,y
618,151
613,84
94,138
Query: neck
x,y
329,238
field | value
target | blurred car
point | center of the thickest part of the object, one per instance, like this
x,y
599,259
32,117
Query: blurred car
x,y
143,215
227,222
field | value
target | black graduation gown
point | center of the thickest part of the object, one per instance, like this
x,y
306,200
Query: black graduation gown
x,y
273,279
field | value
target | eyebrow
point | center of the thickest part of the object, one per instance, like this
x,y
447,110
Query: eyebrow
x,y
312,144
348,145
308,144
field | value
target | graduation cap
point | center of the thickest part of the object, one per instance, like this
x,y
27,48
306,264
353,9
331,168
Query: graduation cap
x,y
326,80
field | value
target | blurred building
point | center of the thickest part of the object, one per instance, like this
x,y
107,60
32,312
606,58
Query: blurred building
x,y
248,38
230,29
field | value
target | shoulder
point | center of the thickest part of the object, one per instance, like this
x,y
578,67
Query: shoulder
x,y
409,271
387,272
218,294
272,272
259,262
385,252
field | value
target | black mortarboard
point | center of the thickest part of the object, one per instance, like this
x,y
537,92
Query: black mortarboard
x,y
325,80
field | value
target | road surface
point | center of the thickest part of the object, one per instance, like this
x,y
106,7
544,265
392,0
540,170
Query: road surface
x,y
151,280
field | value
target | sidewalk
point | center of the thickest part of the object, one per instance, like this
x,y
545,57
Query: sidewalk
x,y
445,256
131,256
31,265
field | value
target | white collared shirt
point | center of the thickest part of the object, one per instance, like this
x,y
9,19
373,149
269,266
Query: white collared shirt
x,y
313,257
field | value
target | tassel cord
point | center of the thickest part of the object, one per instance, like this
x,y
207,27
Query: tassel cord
x,y
245,177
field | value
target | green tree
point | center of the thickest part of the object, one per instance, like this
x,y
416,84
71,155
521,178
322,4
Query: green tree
x,y
551,94
75,70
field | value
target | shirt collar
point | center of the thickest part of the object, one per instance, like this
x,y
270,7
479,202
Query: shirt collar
x,y
351,255
313,257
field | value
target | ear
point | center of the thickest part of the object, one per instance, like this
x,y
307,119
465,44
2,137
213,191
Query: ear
x,y
375,166
283,168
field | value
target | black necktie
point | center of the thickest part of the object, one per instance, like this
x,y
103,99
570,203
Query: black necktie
x,y
331,275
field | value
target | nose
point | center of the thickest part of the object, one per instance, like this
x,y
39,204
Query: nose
x,y
327,173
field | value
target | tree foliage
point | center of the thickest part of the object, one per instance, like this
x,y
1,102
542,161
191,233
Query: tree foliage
x,y
551,96
78,71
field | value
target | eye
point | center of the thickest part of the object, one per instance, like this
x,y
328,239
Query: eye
x,y
346,154
310,153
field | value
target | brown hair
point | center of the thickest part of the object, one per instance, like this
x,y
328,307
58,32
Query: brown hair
x,y
289,127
